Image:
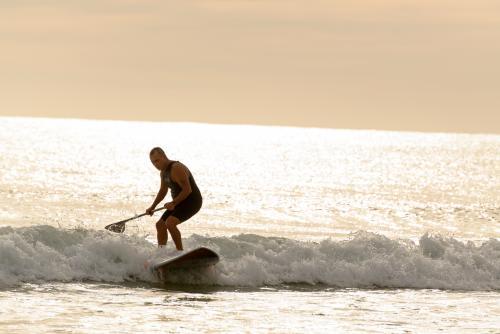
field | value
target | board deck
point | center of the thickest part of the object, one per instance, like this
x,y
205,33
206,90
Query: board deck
x,y
196,258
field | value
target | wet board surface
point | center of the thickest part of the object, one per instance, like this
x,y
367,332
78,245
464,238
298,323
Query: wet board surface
x,y
196,258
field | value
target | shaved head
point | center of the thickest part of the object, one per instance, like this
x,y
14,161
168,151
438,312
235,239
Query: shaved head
x,y
157,150
158,158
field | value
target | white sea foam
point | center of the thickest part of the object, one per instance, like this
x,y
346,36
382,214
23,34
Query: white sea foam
x,y
44,253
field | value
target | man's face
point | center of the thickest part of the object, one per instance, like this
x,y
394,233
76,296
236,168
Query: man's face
x,y
159,160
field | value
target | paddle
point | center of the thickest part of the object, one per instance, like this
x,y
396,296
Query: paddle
x,y
119,227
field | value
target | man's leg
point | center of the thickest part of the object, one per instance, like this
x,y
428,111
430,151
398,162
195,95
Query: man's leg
x,y
171,225
161,233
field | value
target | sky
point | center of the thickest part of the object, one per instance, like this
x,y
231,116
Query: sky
x,y
416,65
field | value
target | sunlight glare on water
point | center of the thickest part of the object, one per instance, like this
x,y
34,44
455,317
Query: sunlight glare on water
x,y
317,229
300,183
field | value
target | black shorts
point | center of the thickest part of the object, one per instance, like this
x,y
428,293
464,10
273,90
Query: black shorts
x,y
185,209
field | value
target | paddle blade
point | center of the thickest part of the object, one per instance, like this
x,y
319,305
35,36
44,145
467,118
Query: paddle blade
x,y
116,227
119,227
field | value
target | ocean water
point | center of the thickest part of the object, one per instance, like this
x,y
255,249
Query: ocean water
x,y
319,230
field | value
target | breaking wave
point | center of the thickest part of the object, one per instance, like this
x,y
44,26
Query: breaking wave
x,y
44,253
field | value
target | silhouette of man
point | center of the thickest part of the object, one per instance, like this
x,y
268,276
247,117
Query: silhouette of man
x,y
186,197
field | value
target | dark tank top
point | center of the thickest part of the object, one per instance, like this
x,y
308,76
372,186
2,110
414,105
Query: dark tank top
x,y
175,188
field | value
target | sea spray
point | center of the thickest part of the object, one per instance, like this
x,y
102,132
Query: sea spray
x,y
367,260
44,253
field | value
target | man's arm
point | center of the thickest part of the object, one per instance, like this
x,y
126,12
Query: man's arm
x,y
160,196
180,175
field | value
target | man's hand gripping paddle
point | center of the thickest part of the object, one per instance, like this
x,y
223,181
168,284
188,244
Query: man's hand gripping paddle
x,y
119,227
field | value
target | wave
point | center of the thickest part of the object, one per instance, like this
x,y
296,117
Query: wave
x,y
366,260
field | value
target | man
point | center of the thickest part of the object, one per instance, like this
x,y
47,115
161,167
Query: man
x,y
186,197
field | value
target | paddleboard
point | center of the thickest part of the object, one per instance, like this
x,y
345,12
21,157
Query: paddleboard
x,y
196,258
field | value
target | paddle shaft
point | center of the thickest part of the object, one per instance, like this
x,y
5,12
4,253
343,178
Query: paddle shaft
x,y
141,215
121,222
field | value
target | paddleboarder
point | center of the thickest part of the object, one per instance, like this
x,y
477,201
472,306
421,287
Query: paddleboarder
x,y
186,197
